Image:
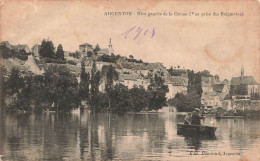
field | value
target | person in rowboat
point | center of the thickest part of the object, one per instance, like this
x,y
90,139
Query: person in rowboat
x,y
187,119
196,116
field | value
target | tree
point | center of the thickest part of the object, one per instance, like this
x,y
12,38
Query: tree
x,y
62,88
120,99
60,52
5,52
89,54
157,93
15,81
241,89
96,49
255,96
139,99
131,56
84,83
194,88
47,49
3,87
206,73
111,75
95,80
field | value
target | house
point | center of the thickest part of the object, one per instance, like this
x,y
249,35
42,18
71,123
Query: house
x,y
249,82
104,51
175,85
131,80
209,80
157,68
211,100
86,47
36,51
140,69
32,66
206,87
220,88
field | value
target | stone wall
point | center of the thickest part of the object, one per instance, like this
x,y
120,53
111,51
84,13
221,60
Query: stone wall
x,y
241,104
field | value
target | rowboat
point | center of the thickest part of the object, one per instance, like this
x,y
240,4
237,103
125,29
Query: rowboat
x,y
230,117
195,129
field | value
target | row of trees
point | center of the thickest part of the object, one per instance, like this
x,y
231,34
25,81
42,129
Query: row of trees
x,y
47,50
58,89
13,53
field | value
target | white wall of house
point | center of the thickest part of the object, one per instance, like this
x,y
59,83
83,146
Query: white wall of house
x,y
32,66
207,89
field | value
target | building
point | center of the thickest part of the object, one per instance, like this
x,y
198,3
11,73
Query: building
x,y
248,82
36,51
32,66
175,85
210,100
86,47
110,48
220,88
103,51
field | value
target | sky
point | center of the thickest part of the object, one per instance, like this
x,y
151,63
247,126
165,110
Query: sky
x,y
219,44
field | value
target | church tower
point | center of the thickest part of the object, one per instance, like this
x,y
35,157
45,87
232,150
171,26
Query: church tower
x,y
110,48
242,71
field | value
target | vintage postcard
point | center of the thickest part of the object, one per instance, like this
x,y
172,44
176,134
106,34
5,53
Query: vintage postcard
x,y
129,80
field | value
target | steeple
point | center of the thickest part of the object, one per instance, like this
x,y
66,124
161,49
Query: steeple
x,y
242,71
242,68
110,48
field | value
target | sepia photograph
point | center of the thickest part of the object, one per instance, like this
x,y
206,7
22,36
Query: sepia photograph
x,y
129,80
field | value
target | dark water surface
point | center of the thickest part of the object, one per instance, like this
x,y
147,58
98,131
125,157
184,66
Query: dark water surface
x,y
107,136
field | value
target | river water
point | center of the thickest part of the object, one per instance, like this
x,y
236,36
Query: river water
x,y
132,136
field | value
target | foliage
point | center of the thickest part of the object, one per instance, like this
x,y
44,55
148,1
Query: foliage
x,y
72,62
96,49
185,103
89,54
227,97
175,72
131,56
60,52
255,96
157,93
3,87
15,82
95,80
109,58
47,49
62,88
120,98
84,83
139,99
238,90
205,73
56,61
13,53
75,55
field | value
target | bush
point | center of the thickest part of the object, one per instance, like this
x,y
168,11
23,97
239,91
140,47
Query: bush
x,y
57,61
72,62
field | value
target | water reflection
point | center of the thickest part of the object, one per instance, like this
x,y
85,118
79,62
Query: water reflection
x,y
107,136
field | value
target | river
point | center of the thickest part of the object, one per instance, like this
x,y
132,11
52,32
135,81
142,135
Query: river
x,y
132,136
